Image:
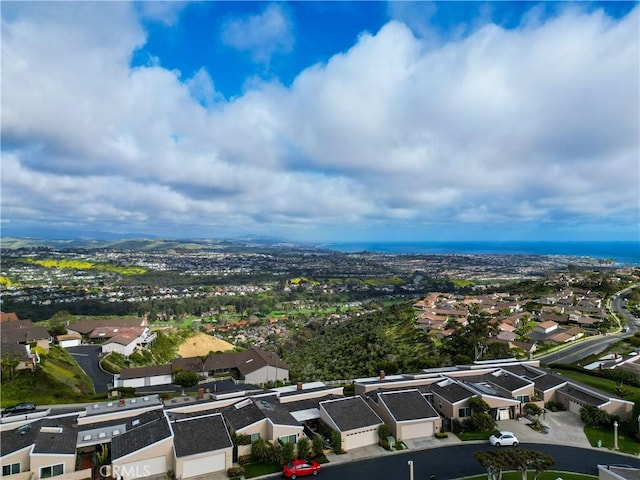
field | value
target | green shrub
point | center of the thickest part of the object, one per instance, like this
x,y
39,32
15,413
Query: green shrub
x,y
336,442
532,409
384,431
442,435
317,445
242,439
554,406
186,379
304,448
235,472
244,459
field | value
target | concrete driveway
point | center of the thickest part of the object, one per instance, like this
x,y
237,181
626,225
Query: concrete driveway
x,y
88,357
565,428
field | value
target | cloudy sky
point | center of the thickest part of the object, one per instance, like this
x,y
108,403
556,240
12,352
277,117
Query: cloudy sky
x,y
322,121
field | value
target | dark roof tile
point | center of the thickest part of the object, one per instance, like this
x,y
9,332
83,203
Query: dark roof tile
x,y
200,434
351,413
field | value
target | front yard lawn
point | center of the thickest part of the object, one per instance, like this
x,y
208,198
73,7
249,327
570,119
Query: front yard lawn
x,y
466,436
258,469
626,443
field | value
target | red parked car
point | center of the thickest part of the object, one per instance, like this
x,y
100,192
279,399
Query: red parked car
x,y
300,468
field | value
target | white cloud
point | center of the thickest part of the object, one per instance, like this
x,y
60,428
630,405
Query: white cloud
x,y
538,124
263,35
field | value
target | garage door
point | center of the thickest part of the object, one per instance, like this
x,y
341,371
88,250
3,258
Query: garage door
x,y
143,468
361,439
203,466
416,430
574,407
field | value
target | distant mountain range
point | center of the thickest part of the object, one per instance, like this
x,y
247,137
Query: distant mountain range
x,y
143,244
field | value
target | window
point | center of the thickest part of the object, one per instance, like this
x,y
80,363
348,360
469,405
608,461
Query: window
x,y
464,412
288,439
255,437
11,469
523,398
52,470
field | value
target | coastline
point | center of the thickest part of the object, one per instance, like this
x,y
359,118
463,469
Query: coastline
x,y
622,253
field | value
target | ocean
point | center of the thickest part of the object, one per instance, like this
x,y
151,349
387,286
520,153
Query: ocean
x,y
623,252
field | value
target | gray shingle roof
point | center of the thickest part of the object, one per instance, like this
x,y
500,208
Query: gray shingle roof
x,y
351,413
246,362
12,440
200,434
56,435
583,396
548,381
152,427
408,405
22,331
452,392
242,414
141,372
250,411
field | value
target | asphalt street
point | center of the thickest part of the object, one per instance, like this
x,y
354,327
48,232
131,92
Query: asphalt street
x,y
453,462
88,357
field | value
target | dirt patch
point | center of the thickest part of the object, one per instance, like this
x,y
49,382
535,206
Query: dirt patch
x,y
201,344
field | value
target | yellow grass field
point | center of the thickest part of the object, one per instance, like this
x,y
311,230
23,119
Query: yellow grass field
x,y
201,344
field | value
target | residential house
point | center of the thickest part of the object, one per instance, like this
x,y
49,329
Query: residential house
x,y
122,340
254,366
144,449
8,317
406,412
262,417
201,445
24,332
144,376
356,421
22,354
85,326
545,327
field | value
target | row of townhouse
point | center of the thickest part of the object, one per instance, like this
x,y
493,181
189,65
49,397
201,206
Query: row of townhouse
x,y
144,437
505,385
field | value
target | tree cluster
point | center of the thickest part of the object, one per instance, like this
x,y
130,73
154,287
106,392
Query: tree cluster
x,y
519,459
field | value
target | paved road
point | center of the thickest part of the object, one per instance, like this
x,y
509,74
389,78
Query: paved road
x,y
454,462
88,357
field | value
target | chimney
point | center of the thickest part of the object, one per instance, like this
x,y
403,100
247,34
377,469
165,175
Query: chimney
x,y
200,393
381,374
299,386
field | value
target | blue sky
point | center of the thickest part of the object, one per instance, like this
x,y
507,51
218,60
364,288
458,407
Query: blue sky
x,y
322,121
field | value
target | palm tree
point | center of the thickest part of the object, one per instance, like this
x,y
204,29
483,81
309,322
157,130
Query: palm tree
x,y
203,362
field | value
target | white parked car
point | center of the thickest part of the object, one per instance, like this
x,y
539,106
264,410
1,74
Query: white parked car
x,y
503,439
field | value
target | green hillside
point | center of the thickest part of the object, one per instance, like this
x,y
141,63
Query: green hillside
x,y
57,379
361,346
